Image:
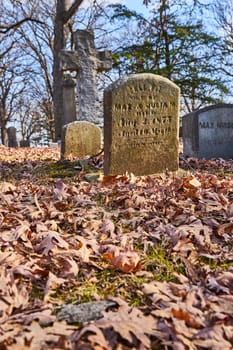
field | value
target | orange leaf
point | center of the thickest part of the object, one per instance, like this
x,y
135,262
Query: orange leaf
x,y
109,180
185,316
225,228
124,260
191,182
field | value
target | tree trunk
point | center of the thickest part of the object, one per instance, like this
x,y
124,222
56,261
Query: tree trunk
x,y
4,136
59,44
64,12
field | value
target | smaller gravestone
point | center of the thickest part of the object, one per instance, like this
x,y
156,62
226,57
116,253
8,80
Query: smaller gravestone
x,y
141,118
69,105
208,132
80,139
12,137
24,143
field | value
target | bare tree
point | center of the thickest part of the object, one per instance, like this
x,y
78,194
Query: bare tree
x,y
30,119
37,44
224,19
12,84
12,20
64,11
14,67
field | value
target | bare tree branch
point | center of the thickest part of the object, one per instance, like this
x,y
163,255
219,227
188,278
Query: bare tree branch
x,y
71,11
2,54
6,28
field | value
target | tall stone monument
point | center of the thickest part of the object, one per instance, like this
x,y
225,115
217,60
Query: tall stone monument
x,y
87,62
12,137
69,103
141,125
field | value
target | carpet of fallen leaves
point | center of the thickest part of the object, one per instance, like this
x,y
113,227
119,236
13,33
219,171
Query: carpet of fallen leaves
x,y
58,235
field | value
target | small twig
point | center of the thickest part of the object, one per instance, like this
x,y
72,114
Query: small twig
x,y
37,203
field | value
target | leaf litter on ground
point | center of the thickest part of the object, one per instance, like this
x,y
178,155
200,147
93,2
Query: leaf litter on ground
x,y
157,249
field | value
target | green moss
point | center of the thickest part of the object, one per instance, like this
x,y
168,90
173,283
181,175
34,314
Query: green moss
x,y
160,262
216,264
37,291
58,170
107,283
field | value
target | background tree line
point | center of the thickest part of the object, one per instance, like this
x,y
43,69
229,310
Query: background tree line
x,y
187,41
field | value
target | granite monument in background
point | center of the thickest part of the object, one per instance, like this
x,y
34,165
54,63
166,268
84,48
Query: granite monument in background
x,y
208,132
12,137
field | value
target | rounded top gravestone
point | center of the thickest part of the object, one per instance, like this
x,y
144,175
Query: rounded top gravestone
x,y
141,117
80,139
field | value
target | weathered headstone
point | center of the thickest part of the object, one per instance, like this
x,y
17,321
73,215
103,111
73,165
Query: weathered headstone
x,y
141,123
208,132
12,136
69,105
80,139
87,62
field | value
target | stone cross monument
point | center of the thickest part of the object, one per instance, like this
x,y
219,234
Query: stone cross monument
x,y
87,61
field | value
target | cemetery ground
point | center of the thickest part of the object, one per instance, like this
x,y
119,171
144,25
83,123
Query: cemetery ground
x,y
146,262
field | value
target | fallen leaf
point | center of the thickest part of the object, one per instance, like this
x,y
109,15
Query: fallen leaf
x,y
122,259
225,228
184,315
50,240
7,187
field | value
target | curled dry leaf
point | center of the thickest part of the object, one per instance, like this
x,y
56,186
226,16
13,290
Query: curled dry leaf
x,y
108,227
69,267
184,315
6,187
60,191
52,282
86,247
225,228
122,259
127,323
191,182
51,240
96,336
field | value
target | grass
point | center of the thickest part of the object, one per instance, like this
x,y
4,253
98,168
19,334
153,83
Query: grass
x,y
159,260
215,264
64,170
106,282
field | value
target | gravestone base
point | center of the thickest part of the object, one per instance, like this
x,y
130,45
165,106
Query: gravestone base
x,y
80,139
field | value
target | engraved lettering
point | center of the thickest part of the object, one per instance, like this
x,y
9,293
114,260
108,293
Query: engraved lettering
x,y
144,125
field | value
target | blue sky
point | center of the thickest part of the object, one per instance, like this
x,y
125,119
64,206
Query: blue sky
x,y
132,4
